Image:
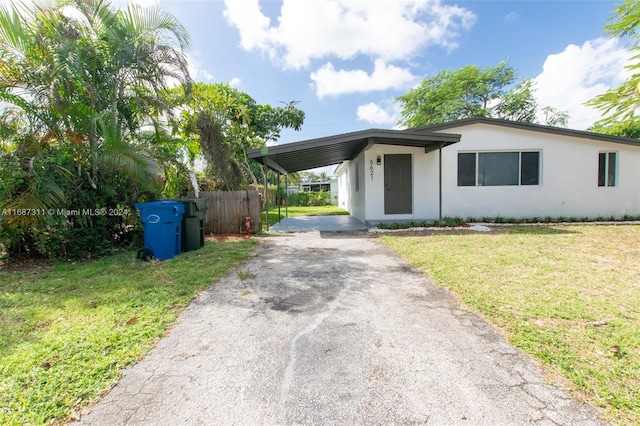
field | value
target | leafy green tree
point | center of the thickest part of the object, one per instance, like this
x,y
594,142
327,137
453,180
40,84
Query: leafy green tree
x,y
626,129
619,105
474,92
519,104
226,123
308,177
453,95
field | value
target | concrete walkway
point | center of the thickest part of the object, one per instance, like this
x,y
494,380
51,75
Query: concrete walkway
x,y
333,328
318,223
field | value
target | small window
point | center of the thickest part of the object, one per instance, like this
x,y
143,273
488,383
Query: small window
x,y
357,175
530,168
467,169
607,165
498,168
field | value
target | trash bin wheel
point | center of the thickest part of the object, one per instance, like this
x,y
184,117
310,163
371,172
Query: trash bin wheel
x,y
145,254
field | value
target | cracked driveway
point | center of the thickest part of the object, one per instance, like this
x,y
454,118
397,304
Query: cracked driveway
x,y
333,329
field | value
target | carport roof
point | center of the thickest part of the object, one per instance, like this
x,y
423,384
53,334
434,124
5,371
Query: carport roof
x,y
320,152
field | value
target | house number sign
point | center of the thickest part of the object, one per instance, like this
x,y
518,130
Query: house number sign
x,y
371,168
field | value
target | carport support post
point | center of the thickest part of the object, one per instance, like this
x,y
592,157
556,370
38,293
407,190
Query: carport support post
x,y
286,197
278,200
266,198
440,183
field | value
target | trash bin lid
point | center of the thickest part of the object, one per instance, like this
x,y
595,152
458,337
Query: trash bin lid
x,y
160,211
194,206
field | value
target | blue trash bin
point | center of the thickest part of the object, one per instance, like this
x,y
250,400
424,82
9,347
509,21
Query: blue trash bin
x,y
162,227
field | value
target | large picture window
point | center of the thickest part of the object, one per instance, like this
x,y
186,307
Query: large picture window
x,y
607,164
498,168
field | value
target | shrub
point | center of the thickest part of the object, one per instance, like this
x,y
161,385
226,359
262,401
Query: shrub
x,y
51,233
309,198
453,221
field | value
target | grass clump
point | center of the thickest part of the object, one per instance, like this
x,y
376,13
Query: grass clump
x,y
568,295
67,333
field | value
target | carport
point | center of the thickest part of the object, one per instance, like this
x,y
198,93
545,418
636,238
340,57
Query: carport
x,y
320,152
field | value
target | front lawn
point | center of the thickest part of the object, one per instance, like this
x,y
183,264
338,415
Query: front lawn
x,y
570,296
66,333
302,211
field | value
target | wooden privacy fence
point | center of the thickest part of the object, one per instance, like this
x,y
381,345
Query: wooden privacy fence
x,y
226,211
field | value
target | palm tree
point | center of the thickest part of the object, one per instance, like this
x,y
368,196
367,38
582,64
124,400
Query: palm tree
x,y
79,81
84,74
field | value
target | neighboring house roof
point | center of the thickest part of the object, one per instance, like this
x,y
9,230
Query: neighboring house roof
x,y
526,126
312,153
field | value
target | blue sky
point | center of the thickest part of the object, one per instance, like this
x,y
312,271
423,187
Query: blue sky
x,y
244,42
346,60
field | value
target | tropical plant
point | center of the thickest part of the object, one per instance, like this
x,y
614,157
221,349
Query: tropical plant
x,y
620,105
226,123
79,81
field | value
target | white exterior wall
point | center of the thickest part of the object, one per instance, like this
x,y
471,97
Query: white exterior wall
x,y
344,186
424,169
568,179
349,198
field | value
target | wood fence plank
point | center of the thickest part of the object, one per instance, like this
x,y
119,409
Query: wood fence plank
x,y
226,211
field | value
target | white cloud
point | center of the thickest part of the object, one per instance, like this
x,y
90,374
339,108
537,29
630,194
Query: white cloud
x,y
251,23
196,71
376,114
331,82
578,74
317,29
235,82
512,16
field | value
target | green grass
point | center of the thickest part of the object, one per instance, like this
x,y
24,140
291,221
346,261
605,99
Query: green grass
x,y
302,211
67,333
570,296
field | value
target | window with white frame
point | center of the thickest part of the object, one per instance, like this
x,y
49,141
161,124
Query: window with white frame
x,y
499,168
607,168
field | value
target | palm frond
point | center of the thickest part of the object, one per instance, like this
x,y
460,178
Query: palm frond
x,y
41,196
152,21
14,35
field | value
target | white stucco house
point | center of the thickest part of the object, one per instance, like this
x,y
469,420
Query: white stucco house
x,y
474,168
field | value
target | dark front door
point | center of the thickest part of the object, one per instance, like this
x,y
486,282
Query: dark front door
x,y
398,192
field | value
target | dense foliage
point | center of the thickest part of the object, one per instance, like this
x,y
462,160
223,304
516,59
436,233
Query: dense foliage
x,y
310,198
226,123
474,92
79,81
97,113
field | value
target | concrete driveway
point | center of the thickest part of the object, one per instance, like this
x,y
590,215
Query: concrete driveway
x,y
318,223
328,328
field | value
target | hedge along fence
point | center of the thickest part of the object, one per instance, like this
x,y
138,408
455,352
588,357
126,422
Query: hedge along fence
x,y
226,211
308,198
